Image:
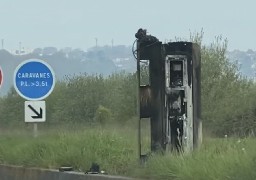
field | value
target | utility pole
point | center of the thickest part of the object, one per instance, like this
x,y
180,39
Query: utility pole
x,y
96,42
19,47
2,43
112,43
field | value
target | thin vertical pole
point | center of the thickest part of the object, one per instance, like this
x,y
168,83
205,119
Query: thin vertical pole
x,y
2,43
138,100
35,130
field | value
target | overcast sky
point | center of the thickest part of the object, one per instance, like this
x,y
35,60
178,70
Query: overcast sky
x,y
76,23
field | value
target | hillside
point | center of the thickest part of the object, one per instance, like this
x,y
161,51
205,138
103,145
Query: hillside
x,y
99,60
246,61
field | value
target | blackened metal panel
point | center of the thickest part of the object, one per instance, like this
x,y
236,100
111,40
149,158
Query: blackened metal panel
x,y
145,101
145,48
157,83
152,51
196,58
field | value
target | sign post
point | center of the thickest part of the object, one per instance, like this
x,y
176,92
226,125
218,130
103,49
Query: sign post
x,y
34,80
35,131
34,113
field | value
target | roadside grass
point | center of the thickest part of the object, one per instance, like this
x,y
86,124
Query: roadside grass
x,y
217,159
115,150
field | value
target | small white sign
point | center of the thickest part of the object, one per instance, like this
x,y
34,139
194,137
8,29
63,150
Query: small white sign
x,y
35,111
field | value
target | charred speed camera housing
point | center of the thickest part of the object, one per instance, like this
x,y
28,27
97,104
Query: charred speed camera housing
x,y
172,98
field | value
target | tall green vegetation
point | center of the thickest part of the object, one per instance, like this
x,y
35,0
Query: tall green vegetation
x,y
218,159
114,149
80,99
228,99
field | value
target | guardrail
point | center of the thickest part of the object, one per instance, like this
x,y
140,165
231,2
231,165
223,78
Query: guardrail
x,y
21,173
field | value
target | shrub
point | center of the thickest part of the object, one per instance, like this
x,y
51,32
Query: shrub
x,y
103,115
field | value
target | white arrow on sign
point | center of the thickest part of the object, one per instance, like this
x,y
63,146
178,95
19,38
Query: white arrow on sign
x,y
35,111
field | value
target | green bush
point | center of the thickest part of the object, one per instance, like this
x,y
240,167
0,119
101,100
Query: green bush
x,y
103,116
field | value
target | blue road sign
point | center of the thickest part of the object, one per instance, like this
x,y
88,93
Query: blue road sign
x,y
34,79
